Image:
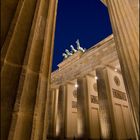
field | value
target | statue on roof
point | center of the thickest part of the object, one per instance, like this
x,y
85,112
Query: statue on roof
x,y
78,43
79,48
73,49
65,55
68,52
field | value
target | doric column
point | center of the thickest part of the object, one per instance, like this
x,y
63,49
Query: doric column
x,y
135,7
12,56
82,109
52,101
61,118
39,124
126,34
26,67
104,111
8,10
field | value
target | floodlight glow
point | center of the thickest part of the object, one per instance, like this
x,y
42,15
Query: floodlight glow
x,y
76,85
96,78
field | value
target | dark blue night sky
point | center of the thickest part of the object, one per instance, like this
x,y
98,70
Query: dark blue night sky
x,y
86,20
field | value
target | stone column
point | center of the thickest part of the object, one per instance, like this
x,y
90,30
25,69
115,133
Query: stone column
x,y
52,100
8,10
126,34
12,56
104,111
26,66
61,121
45,73
82,109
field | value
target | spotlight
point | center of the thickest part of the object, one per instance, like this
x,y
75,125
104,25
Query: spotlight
x,y
76,85
96,78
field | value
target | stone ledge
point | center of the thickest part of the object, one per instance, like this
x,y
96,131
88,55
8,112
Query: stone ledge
x,y
71,59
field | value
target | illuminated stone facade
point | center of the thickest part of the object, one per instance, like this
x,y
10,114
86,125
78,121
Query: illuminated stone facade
x,y
32,110
91,96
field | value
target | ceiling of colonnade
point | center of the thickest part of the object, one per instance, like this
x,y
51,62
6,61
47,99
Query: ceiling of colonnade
x,y
86,20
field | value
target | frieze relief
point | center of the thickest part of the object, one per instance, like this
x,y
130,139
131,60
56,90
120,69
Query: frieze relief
x,y
94,99
117,80
119,94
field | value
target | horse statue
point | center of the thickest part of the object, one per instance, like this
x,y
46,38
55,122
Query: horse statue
x,y
65,55
79,48
73,49
68,53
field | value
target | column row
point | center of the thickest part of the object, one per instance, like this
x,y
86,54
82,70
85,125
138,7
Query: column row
x,y
93,107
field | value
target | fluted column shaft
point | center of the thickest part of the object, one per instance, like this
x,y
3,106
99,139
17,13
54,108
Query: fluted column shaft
x,y
12,56
82,108
61,121
104,109
126,34
51,113
8,10
26,67
39,124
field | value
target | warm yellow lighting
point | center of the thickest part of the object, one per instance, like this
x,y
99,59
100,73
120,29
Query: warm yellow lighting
x,y
76,86
96,78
